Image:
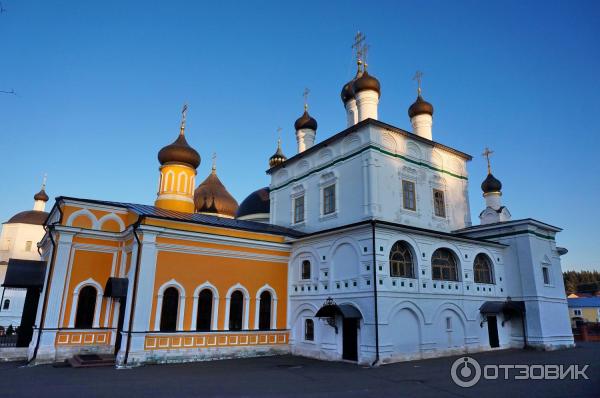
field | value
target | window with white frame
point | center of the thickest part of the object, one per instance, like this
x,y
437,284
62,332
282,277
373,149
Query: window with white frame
x,y
329,199
577,312
546,274
305,269
6,305
309,330
28,245
439,203
298,209
409,201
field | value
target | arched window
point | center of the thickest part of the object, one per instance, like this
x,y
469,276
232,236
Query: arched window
x,y
305,269
6,304
401,261
443,264
205,302
86,307
309,330
482,268
264,313
168,312
236,310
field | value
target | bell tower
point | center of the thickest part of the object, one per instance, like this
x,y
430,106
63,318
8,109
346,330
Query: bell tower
x,y
179,162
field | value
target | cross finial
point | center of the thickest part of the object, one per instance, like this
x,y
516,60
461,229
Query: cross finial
x,y
183,115
365,52
214,162
305,95
358,46
44,181
487,153
418,76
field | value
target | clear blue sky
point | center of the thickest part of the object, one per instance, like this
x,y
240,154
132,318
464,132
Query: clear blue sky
x,y
100,87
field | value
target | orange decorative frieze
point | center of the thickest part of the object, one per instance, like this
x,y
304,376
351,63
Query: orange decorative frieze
x,y
178,341
83,338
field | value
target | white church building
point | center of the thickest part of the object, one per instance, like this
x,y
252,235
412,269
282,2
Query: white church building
x,y
361,248
390,243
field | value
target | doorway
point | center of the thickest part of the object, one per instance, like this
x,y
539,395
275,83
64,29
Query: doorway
x,y
350,339
492,323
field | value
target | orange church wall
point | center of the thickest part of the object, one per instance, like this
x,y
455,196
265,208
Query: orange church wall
x,y
87,264
215,230
222,247
192,270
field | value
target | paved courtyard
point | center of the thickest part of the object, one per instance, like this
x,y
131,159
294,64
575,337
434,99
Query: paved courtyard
x,y
294,376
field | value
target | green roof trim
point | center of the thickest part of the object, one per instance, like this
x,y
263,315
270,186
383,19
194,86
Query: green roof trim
x,y
376,148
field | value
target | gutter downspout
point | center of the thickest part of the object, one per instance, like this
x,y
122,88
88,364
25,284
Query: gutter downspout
x,y
49,229
135,286
373,222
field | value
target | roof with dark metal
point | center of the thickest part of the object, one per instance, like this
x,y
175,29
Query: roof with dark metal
x,y
25,273
196,218
34,217
584,302
361,124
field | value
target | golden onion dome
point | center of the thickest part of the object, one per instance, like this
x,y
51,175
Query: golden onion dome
x,y
278,157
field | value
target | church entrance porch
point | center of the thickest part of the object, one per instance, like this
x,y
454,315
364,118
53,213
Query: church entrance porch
x,y
350,319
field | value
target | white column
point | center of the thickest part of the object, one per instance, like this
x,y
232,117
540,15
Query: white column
x,y
145,288
305,139
57,282
366,102
421,125
351,112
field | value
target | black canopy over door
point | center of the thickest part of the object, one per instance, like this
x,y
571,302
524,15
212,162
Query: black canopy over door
x,y
30,275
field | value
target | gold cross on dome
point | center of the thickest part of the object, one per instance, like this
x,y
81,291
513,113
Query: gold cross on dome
x,y
214,161
487,153
305,95
358,46
44,181
418,76
183,115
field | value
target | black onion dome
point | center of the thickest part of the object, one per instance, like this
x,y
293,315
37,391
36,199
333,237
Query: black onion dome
x,y
347,91
34,217
212,197
179,152
256,203
42,195
277,158
366,82
491,184
419,107
305,122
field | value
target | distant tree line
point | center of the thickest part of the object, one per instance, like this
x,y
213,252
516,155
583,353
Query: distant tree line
x,y
574,280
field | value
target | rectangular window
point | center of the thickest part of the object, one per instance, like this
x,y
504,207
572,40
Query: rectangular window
x,y
28,246
448,323
546,274
439,204
329,199
577,312
309,330
408,195
299,209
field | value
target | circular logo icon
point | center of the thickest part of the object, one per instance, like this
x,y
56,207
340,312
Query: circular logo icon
x,y
465,372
